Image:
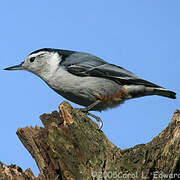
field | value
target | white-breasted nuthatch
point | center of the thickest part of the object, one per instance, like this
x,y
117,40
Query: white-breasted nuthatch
x,y
88,80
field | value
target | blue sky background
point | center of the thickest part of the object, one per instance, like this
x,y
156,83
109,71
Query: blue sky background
x,y
140,35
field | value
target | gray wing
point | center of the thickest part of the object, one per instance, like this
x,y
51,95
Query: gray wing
x,y
84,64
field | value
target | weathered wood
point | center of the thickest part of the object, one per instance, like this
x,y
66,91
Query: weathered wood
x,y
14,172
70,146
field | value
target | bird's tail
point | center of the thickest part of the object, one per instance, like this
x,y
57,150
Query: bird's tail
x,y
154,89
164,92
139,91
140,87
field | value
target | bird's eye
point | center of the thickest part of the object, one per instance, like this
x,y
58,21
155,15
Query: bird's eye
x,y
32,59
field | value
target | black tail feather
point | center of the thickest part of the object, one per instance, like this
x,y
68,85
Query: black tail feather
x,y
165,93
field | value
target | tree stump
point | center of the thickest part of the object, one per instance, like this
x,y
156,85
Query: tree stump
x,y
70,147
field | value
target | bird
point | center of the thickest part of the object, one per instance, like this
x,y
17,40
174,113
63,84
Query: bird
x,y
88,80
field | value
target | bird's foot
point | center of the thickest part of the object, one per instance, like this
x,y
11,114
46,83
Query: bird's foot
x,y
98,119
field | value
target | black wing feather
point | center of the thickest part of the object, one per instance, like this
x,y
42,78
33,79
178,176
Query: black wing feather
x,y
83,64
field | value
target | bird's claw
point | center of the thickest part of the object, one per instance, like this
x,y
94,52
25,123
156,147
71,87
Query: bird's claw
x,y
98,119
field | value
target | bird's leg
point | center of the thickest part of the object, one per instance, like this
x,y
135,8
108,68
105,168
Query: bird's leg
x,y
86,109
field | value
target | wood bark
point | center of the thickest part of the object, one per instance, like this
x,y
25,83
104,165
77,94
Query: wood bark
x,y
70,147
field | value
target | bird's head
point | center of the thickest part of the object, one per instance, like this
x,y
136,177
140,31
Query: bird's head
x,y
40,61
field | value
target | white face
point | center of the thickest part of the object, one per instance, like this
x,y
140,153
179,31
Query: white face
x,y
41,62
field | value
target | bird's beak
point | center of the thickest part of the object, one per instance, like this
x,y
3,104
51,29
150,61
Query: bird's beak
x,y
17,67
